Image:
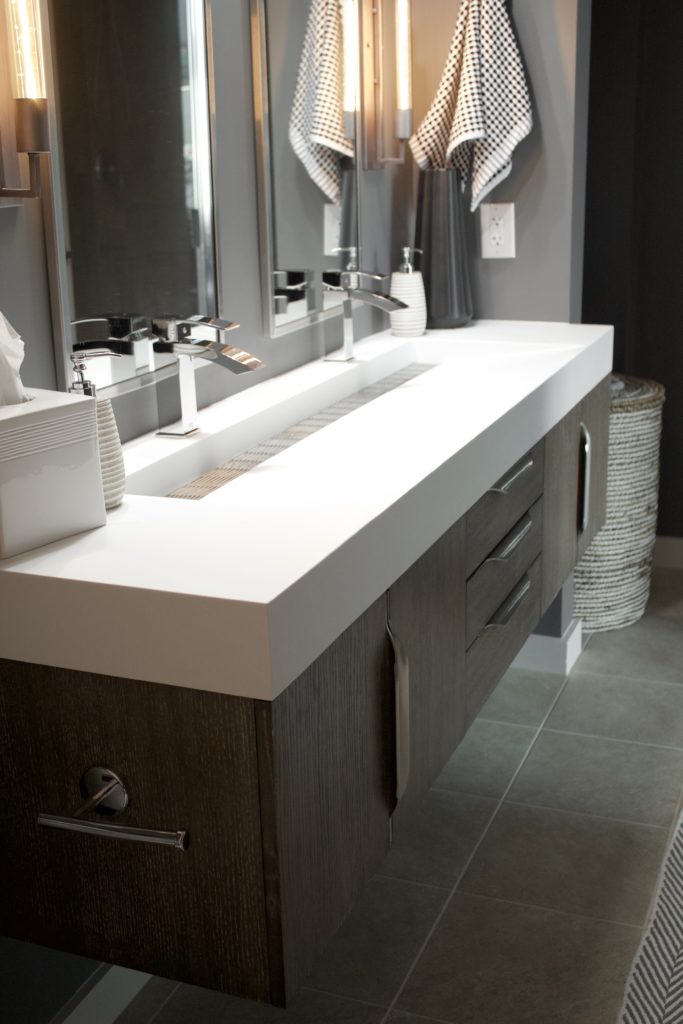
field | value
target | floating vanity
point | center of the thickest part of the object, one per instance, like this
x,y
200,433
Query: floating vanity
x,y
229,657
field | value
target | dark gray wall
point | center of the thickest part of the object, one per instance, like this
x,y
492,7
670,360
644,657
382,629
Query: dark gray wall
x,y
633,265
547,179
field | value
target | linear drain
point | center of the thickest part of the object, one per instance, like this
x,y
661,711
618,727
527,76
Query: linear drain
x,y
252,457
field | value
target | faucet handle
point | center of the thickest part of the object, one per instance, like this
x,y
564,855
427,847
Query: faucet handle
x,y
191,328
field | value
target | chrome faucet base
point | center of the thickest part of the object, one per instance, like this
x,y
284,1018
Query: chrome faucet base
x,y
340,355
176,430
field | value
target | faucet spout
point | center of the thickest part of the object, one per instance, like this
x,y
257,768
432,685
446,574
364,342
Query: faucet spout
x,y
387,303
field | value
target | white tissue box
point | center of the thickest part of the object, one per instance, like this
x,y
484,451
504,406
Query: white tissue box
x,y
50,479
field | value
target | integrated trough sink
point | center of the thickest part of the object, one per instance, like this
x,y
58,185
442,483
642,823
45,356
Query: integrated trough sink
x,y
258,424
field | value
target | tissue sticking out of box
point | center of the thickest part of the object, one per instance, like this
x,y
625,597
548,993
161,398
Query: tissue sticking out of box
x,y
11,357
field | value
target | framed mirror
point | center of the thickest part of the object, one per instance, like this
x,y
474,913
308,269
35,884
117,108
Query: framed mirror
x,y
305,104
131,172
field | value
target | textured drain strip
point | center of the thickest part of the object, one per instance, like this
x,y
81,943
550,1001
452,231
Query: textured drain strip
x,y
242,463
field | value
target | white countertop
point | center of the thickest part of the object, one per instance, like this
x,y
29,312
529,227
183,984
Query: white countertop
x,y
239,592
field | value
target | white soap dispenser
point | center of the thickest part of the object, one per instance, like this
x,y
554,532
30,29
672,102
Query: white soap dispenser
x,y
111,452
408,286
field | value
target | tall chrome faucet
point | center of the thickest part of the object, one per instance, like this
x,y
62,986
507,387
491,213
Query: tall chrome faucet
x,y
350,283
197,337
194,337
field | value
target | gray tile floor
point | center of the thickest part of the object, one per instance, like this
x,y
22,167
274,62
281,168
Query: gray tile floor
x,y
518,897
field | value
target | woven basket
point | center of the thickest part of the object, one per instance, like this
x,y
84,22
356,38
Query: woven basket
x,y
612,580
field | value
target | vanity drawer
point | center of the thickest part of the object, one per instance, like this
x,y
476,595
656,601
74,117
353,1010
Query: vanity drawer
x,y
502,506
488,587
501,639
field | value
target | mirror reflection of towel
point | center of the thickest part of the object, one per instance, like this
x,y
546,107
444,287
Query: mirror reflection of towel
x,y
316,125
482,107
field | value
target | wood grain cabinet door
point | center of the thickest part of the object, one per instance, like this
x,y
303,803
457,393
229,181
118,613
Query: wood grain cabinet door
x,y
567,471
188,761
595,410
427,614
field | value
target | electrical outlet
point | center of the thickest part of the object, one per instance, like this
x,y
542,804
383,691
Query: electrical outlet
x,y
497,231
331,227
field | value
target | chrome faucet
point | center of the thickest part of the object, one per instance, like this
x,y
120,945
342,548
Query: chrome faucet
x,y
350,283
196,337
190,338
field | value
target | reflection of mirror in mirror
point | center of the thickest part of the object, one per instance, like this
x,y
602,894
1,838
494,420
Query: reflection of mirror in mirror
x,y
131,84
308,117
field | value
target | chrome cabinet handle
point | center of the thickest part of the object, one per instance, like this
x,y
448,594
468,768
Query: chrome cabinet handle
x,y
503,615
507,546
102,828
402,694
587,458
514,477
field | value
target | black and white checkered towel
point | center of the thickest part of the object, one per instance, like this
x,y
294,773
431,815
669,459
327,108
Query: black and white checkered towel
x,y
482,108
316,125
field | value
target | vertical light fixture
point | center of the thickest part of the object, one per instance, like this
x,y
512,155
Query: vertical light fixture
x,y
404,71
351,72
30,104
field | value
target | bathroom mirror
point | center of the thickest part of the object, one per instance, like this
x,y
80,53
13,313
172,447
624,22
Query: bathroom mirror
x,y
131,170
308,230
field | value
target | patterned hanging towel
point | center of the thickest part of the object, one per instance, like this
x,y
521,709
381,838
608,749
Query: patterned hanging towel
x,y
482,108
316,125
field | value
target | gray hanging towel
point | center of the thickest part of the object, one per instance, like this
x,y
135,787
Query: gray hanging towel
x,y
482,107
316,125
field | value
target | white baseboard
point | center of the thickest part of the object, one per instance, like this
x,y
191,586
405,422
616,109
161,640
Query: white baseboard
x,y
668,553
556,655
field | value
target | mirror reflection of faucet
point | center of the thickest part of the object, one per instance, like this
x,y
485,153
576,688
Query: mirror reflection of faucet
x,y
350,282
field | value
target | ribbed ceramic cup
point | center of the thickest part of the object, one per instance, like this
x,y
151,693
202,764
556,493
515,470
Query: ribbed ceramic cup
x,y
440,234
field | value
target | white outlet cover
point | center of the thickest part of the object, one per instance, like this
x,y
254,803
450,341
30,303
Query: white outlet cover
x,y
331,227
497,231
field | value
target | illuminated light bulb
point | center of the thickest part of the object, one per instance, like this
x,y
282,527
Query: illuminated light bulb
x,y
351,78
26,48
404,71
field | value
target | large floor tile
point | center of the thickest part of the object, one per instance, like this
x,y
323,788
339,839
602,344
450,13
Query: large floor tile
x,y
650,649
486,759
36,982
666,594
401,1017
192,1005
435,848
605,777
622,708
568,862
495,963
150,1001
522,698
370,956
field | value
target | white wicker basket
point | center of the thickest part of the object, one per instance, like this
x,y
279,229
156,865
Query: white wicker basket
x,y
612,580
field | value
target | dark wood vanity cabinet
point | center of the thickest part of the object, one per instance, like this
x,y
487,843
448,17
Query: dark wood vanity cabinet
x,y
426,609
574,492
288,805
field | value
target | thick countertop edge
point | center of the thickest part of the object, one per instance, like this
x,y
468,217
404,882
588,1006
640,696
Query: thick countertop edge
x,y
183,639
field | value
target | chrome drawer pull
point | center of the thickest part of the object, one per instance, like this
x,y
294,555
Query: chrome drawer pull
x,y
587,454
402,692
510,606
102,828
513,478
506,547
106,792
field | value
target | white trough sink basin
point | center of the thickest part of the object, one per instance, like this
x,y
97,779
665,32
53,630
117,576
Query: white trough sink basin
x,y
481,358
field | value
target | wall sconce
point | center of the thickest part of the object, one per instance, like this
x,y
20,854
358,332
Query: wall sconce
x,y
387,81
30,103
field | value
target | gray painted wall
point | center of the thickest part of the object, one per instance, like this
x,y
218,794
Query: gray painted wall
x,y
548,174
537,285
